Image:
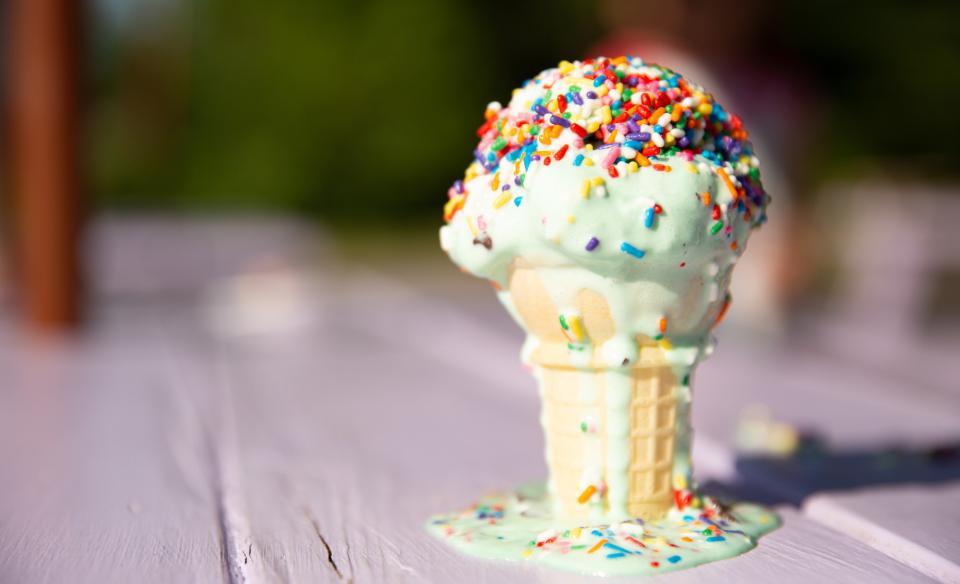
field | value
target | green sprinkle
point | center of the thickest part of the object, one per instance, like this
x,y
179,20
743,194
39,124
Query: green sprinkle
x,y
579,546
563,323
499,144
716,227
583,428
575,88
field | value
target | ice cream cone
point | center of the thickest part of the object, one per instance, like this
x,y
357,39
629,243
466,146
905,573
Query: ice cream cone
x,y
598,465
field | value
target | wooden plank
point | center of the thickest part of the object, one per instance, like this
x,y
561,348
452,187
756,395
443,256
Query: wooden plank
x,y
108,466
351,436
917,525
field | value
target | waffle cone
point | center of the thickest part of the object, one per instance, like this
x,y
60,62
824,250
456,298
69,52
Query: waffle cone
x,y
574,412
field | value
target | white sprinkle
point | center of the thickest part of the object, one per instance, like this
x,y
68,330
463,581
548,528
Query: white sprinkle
x,y
657,139
664,120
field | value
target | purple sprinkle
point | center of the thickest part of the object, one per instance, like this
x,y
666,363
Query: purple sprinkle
x,y
541,110
683,142
575,97
633,126
458,186
559,121
605,146
534,157
505,187
592,244
592,94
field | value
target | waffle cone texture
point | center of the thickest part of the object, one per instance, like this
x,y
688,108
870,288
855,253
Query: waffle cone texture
x,y
574,408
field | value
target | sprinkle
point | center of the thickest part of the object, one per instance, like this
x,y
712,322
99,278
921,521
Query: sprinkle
x,y
517,201
648,218
674,559
617,548
629,249
592,244
586,494
559,121
585,188
612,171
597,546
577,329
654,564
501,200
717,538
635,541
662,325
705,198
615,555
716,227
723,309
578,160
726,180
562,152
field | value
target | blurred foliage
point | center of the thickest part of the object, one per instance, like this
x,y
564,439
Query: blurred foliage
x,y
364,109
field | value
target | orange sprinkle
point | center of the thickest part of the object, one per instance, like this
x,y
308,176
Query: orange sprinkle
x,y
733,245
726,180
662,325
705,197
685,538
597,546
642,160
723,310
586,494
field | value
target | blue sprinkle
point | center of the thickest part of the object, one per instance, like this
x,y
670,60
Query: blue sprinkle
x,y
688,518
629,249
615,555
636,145
648,218
614,546
657,128
674,559
517,201
717,538
599,80
578,160
597,533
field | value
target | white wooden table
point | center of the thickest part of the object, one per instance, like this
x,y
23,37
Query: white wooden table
x,y
292,425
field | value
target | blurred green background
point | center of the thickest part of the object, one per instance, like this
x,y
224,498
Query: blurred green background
x,y
363,111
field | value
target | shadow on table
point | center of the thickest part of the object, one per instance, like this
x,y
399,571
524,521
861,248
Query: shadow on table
x,y
813,468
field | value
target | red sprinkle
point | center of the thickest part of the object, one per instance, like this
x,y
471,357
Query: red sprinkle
x,y
716,213
655,564
612,170
559,154
650,150
547,161
578,130
561,103
657,209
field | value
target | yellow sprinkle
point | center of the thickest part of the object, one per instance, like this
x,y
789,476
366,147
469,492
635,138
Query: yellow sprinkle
x,y
585,189
593,126
670,139
596,181
575,532
603,90
692,168
619,87
511,131
471,225
495,183
587,162
705,108
501,200
597,546
565,67
632,166
587,493
577,330
665,344
552,106
605,113
679,482
588,147
571,219
527,553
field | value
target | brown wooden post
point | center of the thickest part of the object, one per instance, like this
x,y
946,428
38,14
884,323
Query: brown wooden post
x,y
45,158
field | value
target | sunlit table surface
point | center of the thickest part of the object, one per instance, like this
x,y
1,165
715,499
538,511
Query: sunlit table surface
x,y
242,408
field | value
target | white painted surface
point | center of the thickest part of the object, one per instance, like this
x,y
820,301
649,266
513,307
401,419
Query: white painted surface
x,y
155,448
918,525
